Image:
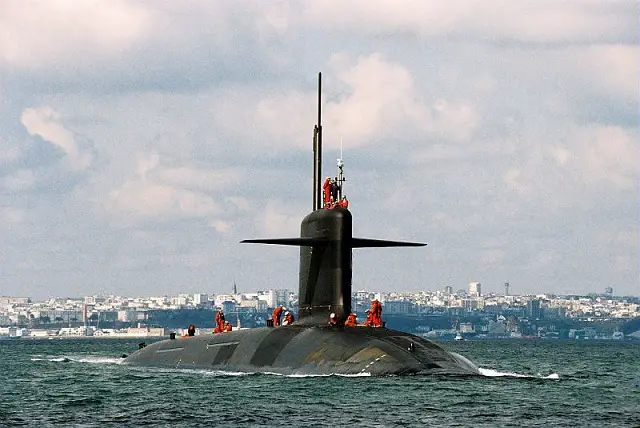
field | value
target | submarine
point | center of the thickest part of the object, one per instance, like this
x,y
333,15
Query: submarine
x,y
310,346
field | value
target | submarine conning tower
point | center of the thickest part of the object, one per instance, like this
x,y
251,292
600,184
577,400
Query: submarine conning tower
x,y
325,268
326,242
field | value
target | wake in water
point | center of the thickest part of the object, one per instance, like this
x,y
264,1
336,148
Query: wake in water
x,y
214,373
79,359
495,373
112,360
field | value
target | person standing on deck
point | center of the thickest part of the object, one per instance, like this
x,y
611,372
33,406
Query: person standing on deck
x,y
277,313
220,321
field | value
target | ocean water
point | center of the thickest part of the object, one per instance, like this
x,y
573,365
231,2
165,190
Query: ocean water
x,y
66,382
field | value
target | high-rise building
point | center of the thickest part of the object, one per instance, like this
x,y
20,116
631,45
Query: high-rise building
x,y
533,309
506,288
475,289
200,299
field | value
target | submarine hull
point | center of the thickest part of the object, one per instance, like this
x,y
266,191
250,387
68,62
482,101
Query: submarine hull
x,y
291,350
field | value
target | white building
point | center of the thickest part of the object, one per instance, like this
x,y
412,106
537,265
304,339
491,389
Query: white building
x,y
200,299
475,289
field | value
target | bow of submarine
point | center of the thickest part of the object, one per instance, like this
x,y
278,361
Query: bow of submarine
x,y
306,350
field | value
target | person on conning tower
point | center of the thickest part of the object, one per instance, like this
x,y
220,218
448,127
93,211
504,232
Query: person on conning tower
x,y
334,191
227,327
277,314
326,193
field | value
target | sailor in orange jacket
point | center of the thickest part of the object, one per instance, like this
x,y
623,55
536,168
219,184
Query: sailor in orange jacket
x,y
376,312
369,321
326,192
227,327
220,321
344,202
288,318
277,313
351,320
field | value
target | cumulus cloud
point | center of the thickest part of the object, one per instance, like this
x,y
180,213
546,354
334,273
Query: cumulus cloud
x,y
380,97
155,192
528,21
609,154
35,34
503,134
44,122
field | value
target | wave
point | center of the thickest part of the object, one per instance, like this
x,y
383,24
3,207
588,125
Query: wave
x,y
52,359
303,375
83,359
225,373
495,373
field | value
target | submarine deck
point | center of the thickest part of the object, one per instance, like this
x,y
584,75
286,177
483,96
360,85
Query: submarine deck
x,y
306,350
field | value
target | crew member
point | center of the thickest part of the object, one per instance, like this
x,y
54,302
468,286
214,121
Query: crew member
x,y
277,313
334,192
326,192
333,320
217,329
288,318
220,321
191,331
344,202
376,313
227,326
351,320
369,320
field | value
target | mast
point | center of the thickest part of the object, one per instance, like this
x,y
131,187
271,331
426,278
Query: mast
x,y
317,152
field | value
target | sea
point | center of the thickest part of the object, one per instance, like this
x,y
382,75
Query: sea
x,y
524,383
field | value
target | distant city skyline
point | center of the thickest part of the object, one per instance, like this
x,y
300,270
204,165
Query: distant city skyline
x,y
141,141
608,291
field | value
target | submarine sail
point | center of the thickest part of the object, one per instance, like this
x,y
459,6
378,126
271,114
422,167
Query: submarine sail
x,y
310,346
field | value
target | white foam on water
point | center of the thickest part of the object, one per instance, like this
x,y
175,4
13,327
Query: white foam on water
x,y
495,373
302,375
219,372
52,360
97,360
84,359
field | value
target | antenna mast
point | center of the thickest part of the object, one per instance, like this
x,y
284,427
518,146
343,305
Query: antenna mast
x,y
340,177
317,151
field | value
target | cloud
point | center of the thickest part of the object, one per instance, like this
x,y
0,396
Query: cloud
x,y
143,197
609,154
380,96
528,21
11,215
44,122
35,34
20,181
503,134
159,193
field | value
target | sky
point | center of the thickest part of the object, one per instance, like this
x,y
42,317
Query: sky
x,y
140,141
